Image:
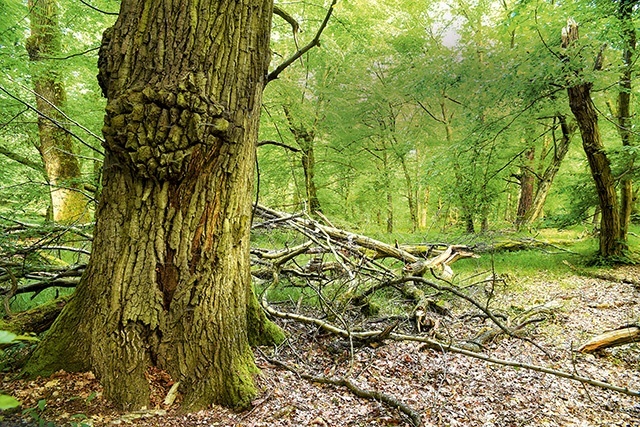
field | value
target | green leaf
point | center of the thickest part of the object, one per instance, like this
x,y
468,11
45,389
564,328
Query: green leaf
x,y
7,337
92,396
8,402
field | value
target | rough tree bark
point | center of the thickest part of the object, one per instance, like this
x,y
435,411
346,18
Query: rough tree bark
x,y
582,107
168,284
62,168
625,10
527,183
560,150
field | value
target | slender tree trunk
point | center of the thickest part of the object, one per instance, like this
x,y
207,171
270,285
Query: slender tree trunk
x,y
624,110
527,182
587,118
423,209
168,284
309,168
411,195
560,150
586,115
61,166
305,139
386,176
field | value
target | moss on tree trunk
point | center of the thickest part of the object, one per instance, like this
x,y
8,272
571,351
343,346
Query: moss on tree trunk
x,y
61,166
168,284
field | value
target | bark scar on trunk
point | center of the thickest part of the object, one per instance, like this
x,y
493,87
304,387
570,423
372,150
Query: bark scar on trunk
x,y
167,278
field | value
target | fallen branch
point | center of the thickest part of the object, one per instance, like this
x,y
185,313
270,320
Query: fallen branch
x,y
624,335
390,401
36,320
442,346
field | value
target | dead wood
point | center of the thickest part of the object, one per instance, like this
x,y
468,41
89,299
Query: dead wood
x,y
624,335
522,244
438,345
536,314
36,320
58,277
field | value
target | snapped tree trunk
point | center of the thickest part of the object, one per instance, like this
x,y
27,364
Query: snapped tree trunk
x,y
527,182
560,150
623,113
582,107
168,284
61,166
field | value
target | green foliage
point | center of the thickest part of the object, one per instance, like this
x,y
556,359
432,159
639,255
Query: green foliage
x,y
7,337
37,412
77,420
8,402
424,123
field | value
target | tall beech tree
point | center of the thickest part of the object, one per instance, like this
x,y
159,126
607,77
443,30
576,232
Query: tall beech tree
x,y
168,284
612,242
62,168
623,113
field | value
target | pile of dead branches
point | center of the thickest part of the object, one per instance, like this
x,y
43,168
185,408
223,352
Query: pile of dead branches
x,y
343,274
362,290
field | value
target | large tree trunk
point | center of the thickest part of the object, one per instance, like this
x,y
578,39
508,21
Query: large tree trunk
x,y
62,169
168,284
582,107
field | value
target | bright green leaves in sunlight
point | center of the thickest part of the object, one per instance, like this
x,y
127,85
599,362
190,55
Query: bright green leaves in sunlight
x,y
436,116
7,337
8,402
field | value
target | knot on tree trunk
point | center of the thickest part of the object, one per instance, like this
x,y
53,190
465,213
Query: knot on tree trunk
x,y
157,131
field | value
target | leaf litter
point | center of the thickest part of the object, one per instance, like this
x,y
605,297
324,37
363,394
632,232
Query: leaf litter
x,y
446,389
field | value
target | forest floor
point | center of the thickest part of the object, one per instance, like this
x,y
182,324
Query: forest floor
x,y
445,389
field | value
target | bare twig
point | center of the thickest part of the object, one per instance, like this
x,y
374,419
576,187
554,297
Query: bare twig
x,y
390,401
314,42
442,346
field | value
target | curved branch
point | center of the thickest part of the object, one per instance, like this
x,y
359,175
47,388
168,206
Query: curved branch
x,y
441,346
315,42
295,27
278,144
98,10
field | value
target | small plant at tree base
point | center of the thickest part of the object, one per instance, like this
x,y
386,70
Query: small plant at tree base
x,y
8,402
36,413
8,338
78,420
